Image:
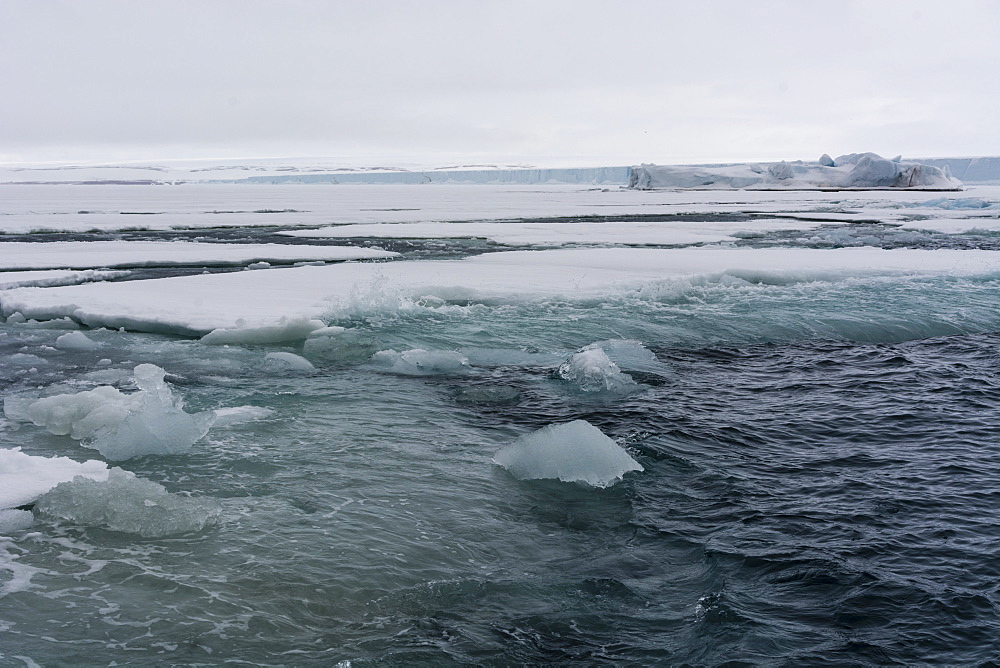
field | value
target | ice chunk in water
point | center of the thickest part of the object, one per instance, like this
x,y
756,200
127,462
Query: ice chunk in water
x,y
14,520
76,341
236,415
419,362
590,370
23,478
628,354
126,503
121,426
282,362
340,344
286,329
573,452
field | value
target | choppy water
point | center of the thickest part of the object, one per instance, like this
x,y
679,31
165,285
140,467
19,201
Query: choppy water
x,y
821,484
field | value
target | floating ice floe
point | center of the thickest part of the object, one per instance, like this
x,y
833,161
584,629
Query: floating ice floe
x,y
856,170
573,452
590,370
285,329
52,277
76,341
82,255
118,425
200,304
659,233
419,362
123,502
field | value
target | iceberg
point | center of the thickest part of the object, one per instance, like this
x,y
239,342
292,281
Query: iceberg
x,y
119,426
573,452
126,503
853,171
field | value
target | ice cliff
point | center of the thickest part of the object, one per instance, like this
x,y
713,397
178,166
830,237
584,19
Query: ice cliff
x,y
856,170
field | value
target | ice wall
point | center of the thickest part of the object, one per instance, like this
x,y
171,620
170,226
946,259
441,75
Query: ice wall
x,y
852,171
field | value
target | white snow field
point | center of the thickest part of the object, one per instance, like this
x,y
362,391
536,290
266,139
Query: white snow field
x,y
196,305
79,209
53,277
131,254
853,171
661,233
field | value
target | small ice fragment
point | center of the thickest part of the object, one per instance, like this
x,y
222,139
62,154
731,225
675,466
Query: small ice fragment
x,y
15,318
228,417
259,265
128,504
76,341
26,359
590,370
573,452
282,362
419,362
104,362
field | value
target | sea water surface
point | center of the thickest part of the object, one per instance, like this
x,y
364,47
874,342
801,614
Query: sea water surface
x,y
821,483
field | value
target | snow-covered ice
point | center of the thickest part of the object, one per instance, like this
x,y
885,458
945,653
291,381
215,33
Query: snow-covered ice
x,y
659,233
53,277
573,452
23,477
131,254
196,305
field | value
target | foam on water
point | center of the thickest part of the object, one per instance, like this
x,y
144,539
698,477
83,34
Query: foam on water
x,y
572,452
128,504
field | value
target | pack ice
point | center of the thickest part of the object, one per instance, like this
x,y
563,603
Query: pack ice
x,y
855,170
573,452
118,425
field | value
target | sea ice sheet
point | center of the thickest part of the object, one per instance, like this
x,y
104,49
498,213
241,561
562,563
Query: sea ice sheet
x,y
262,299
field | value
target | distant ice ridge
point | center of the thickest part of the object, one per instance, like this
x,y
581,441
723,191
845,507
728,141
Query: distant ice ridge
x,y
856,170
119,426
573,452
123,502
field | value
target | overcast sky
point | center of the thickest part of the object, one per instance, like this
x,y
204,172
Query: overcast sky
x,y
539,82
